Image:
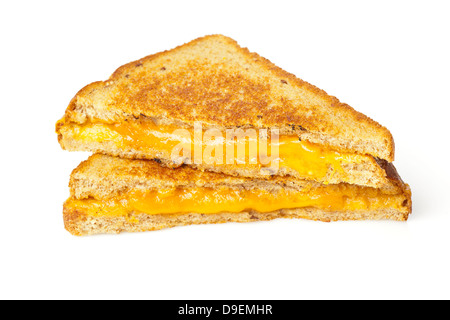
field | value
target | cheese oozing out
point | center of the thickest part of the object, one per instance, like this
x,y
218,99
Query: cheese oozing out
x,y
307,160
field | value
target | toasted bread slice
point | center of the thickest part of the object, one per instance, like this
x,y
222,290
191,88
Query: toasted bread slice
x,y
215,82
110,195
78,223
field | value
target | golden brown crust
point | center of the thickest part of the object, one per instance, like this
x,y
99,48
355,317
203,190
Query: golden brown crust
x,y
215,81
103,176
79,224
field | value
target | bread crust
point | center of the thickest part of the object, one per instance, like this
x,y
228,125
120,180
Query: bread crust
x,y
215,81
102,176
80,224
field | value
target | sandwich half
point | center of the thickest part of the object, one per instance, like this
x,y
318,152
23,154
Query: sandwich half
x,y
111,195
215,84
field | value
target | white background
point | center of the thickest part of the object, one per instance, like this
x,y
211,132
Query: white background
x,y
387,59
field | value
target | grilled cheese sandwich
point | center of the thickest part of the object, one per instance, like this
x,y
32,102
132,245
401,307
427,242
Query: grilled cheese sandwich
x,y
156,163
124,209
215,82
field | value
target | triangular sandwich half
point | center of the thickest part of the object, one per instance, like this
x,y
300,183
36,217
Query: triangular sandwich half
x,y
215,84
111,195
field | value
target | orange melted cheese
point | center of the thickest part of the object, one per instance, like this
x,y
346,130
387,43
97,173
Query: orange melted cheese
x,y
309,160
208,201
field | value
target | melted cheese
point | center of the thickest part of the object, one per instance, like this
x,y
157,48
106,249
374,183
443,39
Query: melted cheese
x,y
208,201
310,161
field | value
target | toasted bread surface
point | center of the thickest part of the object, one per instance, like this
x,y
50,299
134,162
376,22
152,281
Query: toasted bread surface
x,y
80,224
103,176
220,84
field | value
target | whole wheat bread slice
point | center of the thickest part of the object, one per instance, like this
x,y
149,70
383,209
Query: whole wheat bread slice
x,y
214,81
80,224
104,177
